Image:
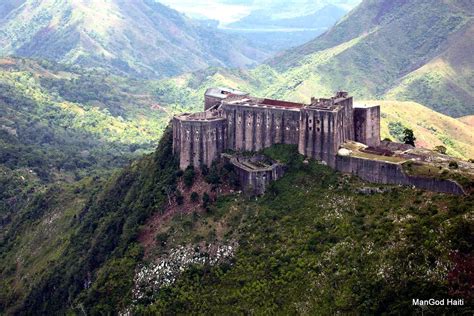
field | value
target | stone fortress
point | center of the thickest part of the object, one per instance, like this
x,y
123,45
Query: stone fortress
x,y
328,130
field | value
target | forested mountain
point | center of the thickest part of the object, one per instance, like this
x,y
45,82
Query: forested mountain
x,y
404,50
139,38
129,244
63,122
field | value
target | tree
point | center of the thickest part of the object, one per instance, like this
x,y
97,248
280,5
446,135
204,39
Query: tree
x,y
205,200
179,197
409,137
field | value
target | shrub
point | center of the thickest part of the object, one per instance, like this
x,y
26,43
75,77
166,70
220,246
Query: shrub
x,y
409,137
194,197
453,165
179,197
188,176
161,239
205,200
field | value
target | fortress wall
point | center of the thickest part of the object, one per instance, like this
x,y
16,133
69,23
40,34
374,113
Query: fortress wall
x,y
319,135
391,173
367,125
256,182
198,142
210,101
255,128
347,126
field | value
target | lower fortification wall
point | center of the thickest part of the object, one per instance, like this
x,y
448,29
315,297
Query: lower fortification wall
x,y
392,173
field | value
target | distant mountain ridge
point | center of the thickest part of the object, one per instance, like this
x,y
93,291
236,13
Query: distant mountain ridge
x,y
403,49
322,18
142,38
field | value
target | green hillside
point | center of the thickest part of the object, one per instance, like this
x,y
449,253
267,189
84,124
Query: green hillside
x,y
63,123
138,38
307,247
404,50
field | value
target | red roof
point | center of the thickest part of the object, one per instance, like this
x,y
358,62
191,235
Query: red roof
x,y
285,104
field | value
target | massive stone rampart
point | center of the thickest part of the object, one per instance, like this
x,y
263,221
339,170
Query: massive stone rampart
x,y
254,128
199,138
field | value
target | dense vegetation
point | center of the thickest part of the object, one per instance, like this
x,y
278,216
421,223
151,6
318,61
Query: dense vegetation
x,y
95,226
65,122
331,245
324,247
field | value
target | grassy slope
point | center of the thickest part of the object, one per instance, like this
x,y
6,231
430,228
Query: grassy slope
x,y
468,120
63,121
431,128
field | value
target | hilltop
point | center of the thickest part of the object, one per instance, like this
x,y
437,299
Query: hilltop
x,y
140,38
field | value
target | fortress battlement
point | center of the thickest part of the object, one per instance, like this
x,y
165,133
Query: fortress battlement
x,y
323,129
235,120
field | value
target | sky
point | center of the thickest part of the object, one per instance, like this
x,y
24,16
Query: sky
x,y
227,11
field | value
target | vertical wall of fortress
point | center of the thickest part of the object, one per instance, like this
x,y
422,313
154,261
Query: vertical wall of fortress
x,y
323,131
198,142
319,134
254,128
367,125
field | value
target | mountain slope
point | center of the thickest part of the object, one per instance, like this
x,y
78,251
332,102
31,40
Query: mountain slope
x,y
134,37
62,123
308,247
390,49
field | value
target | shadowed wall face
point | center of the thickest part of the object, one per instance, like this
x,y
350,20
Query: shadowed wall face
x,y
367,125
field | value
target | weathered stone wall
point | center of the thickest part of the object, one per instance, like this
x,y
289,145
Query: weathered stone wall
x,y
392,173
347,125
256,182
367,125
321,134
210,101
198,142
252,128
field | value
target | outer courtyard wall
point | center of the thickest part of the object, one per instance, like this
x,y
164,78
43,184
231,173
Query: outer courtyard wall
x,y
392,173
367,125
